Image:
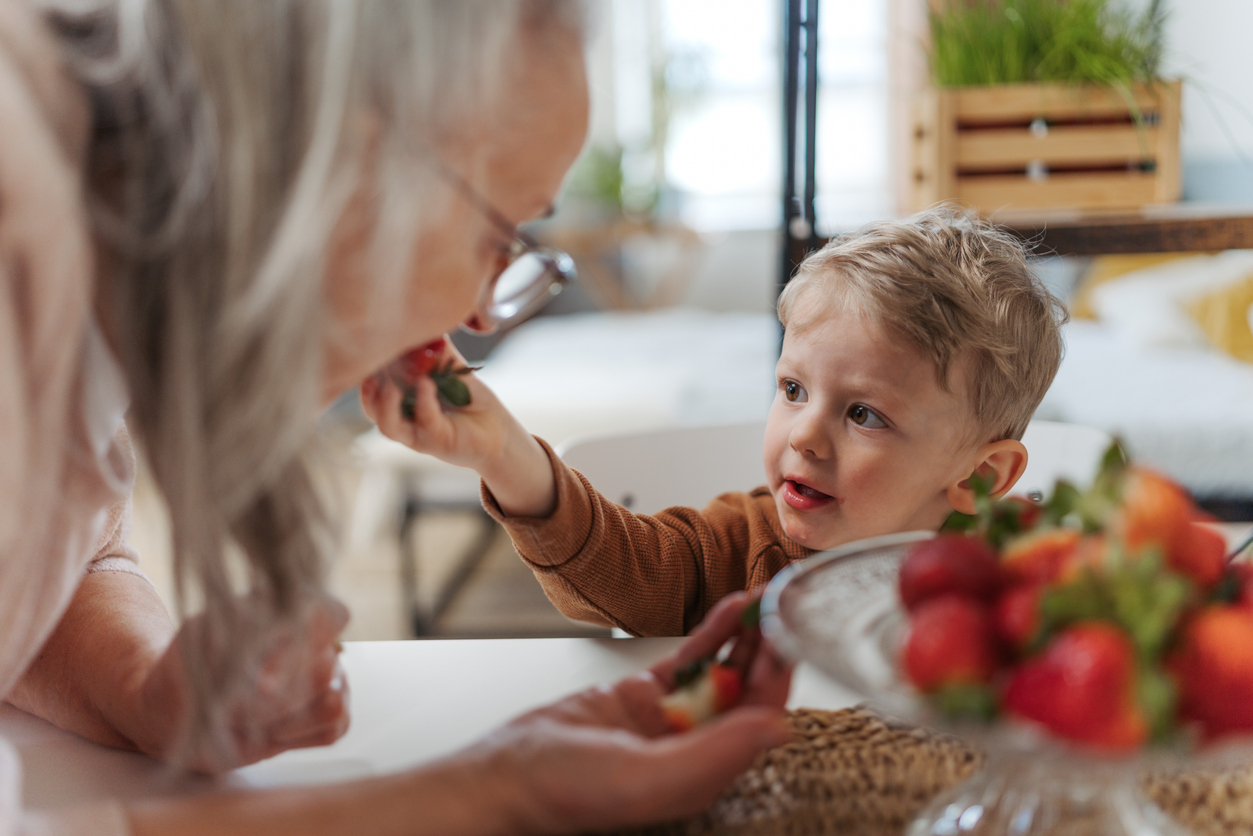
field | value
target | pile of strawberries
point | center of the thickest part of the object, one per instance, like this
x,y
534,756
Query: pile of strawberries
x,y
1110,617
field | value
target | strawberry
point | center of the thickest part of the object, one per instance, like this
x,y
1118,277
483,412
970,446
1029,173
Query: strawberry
x,y
705,690
422,360
1154,511
951,642
712,685
995,520
1038,557
1091,554
1016,615
1026,513
1213,666
1082,687
1200,553
949,563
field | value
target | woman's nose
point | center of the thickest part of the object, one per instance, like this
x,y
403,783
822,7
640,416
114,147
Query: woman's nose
x,y
809,436
479,323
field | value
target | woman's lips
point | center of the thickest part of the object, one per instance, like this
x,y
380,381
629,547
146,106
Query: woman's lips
x,y
804,498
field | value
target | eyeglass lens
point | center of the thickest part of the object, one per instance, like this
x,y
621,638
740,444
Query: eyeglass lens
x,y
529,282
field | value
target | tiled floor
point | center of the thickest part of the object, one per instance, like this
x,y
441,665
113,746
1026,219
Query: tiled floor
x,y
502,597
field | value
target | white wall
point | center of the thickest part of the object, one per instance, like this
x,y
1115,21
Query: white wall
x,y
1210,44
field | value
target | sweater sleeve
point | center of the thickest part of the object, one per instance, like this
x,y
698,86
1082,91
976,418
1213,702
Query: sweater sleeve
x,y
651,575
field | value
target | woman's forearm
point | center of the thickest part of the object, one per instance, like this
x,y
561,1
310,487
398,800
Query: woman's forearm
x,y
451,798
88,678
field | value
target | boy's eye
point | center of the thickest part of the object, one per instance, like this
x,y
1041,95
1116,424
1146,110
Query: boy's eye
x,y
793,391
864,416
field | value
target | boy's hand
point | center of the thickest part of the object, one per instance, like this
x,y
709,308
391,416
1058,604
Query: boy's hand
x,y
469,436
482,435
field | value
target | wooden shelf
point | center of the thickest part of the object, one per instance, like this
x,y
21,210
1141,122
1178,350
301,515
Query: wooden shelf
x,y
1179,228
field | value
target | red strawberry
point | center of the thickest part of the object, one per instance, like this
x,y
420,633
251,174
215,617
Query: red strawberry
x,y
1027,511
951,642
1200,553
1091,552
1017,615
1214,670
712,691
423,360
1038,557
1153,511
1082,687
950,563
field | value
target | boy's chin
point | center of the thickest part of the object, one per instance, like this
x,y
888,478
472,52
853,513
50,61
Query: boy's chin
x,y
818,541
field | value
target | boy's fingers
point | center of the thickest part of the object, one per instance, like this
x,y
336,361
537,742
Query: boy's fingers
x,y
426,409
390,420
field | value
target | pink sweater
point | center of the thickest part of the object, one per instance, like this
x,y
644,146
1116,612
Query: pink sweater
x,y
66,466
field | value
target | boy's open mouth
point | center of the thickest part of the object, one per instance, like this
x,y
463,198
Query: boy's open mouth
x,y
802,497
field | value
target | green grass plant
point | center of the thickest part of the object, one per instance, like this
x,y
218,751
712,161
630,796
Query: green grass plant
x,y
1073,41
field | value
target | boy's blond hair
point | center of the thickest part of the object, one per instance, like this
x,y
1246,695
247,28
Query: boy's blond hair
x,y
955,287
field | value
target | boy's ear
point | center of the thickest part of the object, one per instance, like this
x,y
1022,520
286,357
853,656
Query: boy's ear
x,y
1003,461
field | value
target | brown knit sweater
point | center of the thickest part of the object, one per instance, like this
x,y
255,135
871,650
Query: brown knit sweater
x,y
651,575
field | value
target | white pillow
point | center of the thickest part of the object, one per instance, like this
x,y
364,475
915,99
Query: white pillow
x,y
1148,308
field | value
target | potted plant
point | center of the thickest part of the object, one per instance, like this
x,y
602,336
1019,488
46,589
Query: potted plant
x,y
1044,104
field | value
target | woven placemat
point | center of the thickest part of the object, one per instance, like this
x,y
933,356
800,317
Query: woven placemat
x,y
854,773
1210,802
849,772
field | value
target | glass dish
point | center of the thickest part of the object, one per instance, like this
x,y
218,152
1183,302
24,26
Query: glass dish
x,y
840,612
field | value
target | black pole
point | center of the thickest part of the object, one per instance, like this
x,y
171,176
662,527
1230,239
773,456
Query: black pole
x,y
791,93
811,120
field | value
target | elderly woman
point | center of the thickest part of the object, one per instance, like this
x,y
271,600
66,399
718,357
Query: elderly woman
x,y
215,217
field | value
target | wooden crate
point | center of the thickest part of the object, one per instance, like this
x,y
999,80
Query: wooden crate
x,y
1047,146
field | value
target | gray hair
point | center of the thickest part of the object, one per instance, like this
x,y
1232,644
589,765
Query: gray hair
x,y
228,139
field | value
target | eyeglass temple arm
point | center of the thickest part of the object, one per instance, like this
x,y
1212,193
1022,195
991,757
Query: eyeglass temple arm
x,y
463,188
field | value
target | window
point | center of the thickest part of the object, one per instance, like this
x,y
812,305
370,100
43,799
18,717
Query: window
x,y
698,108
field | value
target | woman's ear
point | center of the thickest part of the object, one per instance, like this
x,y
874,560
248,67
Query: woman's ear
x,y
1001,461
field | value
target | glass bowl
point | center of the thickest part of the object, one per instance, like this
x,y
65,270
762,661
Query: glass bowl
x,y
839,611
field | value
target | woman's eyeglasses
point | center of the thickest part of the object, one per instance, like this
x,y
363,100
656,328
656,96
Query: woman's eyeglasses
x,y
532,274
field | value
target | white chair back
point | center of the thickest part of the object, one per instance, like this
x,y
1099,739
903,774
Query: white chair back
x,y
1061,451
649,470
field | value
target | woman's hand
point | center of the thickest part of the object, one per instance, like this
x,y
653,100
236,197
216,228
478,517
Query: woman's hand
x,y
483,436
299,696
603,758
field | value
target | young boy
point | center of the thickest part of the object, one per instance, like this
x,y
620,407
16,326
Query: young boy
x,y
914,354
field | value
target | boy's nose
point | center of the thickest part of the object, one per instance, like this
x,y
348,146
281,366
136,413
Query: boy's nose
x,y
810,438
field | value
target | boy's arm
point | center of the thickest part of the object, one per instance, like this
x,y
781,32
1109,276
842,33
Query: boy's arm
x,y
483,435
648,574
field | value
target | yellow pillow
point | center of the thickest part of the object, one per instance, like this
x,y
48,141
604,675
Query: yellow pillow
x,y
1106,268
1224,317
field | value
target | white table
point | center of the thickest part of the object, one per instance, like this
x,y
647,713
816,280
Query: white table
x,y
411,701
